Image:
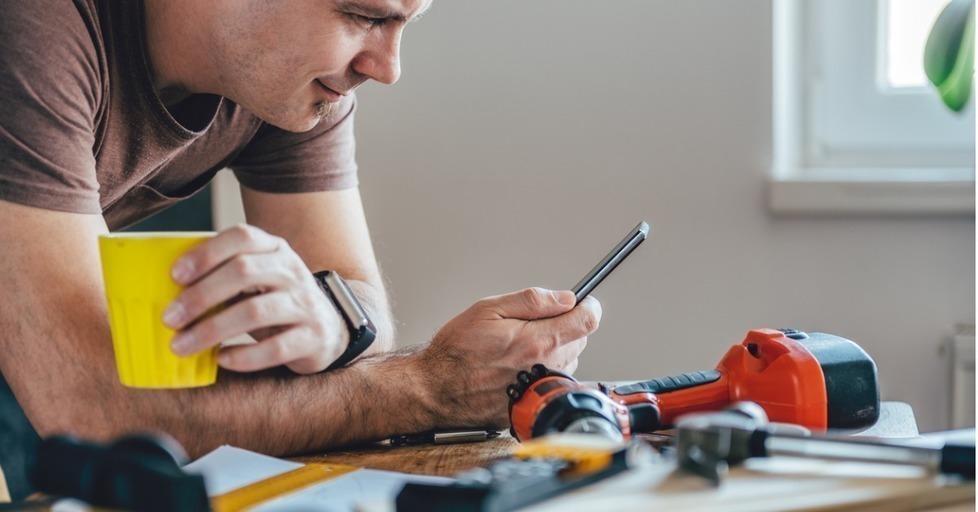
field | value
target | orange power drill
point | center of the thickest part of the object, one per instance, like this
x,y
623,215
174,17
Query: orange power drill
x,y
816,380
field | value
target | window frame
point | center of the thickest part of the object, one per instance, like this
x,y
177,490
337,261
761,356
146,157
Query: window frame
x,y
817,174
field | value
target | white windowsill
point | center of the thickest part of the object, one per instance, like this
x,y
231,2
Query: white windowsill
x,y
847,191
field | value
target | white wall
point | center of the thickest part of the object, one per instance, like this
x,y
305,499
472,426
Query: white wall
x,y
525,138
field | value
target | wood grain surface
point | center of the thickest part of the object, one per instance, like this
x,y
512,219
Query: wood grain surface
x,y
439,460
896,420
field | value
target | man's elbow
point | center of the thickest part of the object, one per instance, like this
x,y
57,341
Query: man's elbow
x,y
83,411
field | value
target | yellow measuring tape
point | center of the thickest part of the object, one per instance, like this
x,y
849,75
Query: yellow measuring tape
x,y
278,485
588,453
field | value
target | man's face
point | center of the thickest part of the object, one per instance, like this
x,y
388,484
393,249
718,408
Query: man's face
x,y
289,60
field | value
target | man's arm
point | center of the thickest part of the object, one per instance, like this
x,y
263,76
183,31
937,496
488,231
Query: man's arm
x,y
56,354
57,357
264,274
328,231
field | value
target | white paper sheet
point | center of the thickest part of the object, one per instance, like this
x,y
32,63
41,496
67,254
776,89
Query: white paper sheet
x,y
228,468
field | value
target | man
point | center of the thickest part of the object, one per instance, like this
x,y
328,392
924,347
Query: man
x,y
115,109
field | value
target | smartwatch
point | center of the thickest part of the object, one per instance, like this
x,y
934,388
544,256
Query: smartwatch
x,y
362,330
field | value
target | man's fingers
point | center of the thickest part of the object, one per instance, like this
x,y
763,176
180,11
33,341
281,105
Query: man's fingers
x,y
575,324
265,310
288,347
203,258
565,359
250,358
532,303
571,367
239,274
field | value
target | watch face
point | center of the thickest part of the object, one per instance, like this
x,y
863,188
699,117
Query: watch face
x,y
345,300
362,330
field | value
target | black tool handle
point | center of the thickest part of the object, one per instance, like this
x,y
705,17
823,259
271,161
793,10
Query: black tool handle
x,y
670,383
136,473
958,459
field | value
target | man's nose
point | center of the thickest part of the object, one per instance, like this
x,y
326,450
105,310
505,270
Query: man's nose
x,y
382,60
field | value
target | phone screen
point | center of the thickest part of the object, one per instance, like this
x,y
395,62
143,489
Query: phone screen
x,y
612,260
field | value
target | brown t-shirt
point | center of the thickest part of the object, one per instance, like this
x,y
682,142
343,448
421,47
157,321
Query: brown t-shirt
x,y
83,130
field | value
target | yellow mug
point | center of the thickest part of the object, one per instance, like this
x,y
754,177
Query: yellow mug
x,y
138,287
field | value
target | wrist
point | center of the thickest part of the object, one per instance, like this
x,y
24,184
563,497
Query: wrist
x,y
400,385
426,381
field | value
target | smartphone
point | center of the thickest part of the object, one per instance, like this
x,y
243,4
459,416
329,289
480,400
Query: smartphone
x,y
612,260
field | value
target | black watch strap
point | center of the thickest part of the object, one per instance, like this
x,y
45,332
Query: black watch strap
x,y
362,330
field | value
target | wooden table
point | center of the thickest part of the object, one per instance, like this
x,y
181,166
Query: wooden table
x,y
896,420
760,485
782,484
441,460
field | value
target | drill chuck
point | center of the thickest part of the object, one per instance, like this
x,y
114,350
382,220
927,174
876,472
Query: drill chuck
x,y
595,426
543,401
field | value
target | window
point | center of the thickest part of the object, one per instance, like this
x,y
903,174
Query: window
x,y
857,127
906,29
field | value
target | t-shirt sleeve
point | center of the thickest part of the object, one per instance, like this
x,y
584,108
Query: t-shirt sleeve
x,y
51,91
284,162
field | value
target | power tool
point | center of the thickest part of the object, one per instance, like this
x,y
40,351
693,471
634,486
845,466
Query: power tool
x,y
708,443
815,380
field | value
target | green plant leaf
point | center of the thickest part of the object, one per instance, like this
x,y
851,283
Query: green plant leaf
x,y
949,57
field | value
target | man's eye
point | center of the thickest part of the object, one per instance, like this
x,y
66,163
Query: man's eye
x,y
367,21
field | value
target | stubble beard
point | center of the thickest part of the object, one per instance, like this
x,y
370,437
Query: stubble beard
x,y
325,109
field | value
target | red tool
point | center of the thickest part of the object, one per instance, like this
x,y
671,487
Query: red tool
x,y
815,380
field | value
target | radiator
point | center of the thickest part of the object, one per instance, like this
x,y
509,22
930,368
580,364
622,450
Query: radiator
x,y
962,377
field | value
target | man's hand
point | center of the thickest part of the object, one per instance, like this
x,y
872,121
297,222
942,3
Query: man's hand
x,y
474,357
266,290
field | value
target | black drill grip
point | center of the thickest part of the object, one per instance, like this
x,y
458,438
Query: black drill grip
x,y
671,383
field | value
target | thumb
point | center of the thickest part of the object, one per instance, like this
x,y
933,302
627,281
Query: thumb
x,y
534,303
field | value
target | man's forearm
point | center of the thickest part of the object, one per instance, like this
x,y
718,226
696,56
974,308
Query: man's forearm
x,y
62,370
278,412
286,414
56,354
274,412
